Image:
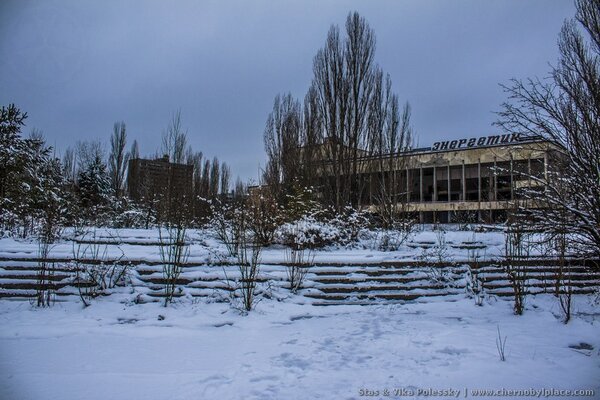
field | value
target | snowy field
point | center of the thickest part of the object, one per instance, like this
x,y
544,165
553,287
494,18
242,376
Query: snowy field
x,y
287,348
119,350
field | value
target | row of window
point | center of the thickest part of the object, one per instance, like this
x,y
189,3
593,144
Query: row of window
x,y
482,182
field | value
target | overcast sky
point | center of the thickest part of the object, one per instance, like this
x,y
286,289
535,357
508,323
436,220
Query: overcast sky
x,y
76,67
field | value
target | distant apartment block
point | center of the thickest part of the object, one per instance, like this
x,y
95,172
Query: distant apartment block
x,y
158,180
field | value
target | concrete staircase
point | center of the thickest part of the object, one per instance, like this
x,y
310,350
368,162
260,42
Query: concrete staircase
x,y
397,283
324,285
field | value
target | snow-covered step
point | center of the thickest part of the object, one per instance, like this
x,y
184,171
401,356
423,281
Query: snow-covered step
x,y
405,295
327,283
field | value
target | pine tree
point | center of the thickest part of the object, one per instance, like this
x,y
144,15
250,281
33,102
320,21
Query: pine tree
x,y
94,191
12,162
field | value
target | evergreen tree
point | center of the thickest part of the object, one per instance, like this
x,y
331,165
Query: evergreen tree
x,y
12,161
94,191
32,191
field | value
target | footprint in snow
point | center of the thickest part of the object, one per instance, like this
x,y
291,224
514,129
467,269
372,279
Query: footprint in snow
x,y
453,351
264,378
289,360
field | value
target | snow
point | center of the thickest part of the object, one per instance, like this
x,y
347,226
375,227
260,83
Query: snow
x,y
288,347
143,244
201,350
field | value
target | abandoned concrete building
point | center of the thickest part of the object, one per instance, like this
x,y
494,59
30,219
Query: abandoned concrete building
x,y
477,179
158,180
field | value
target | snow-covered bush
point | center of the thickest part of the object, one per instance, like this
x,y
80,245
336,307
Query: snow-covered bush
x,y
130,219
174,252
95,271
324,228
232,223
309,233
474,285
350,223
127,214
265,217
392,239
437,251
45,272
465,219
517,247
388,241
437,258
298,259
222,222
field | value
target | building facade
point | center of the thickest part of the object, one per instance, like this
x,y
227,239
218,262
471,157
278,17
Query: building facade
x,y
159,180
475,180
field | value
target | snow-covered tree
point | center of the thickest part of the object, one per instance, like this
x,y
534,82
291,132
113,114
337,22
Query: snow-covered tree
x,y
94,190
31,180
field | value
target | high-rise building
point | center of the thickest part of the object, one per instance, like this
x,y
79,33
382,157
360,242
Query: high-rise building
x,y
159,180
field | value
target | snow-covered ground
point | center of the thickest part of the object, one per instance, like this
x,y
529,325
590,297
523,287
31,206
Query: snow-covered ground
x,y
204,247
287,348
115,349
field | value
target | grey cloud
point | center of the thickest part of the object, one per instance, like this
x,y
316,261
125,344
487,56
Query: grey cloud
x,y
77,67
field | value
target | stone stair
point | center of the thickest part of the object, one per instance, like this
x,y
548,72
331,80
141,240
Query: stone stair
x,y
389,283
324,285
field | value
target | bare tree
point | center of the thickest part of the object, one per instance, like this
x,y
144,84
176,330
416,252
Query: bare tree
x,y
225,178
135,151
332,91
240,189
282,144
214,178
565,108
354,106
174,140
118,158
312,136
87,152
69,162
195,159
361,73
205,180
389,134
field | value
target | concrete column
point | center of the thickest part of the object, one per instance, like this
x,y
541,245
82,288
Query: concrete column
x,y
529,170
435,193
479,216
479,180
448,170
512,180
420,184
464,183
495,181
407,187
